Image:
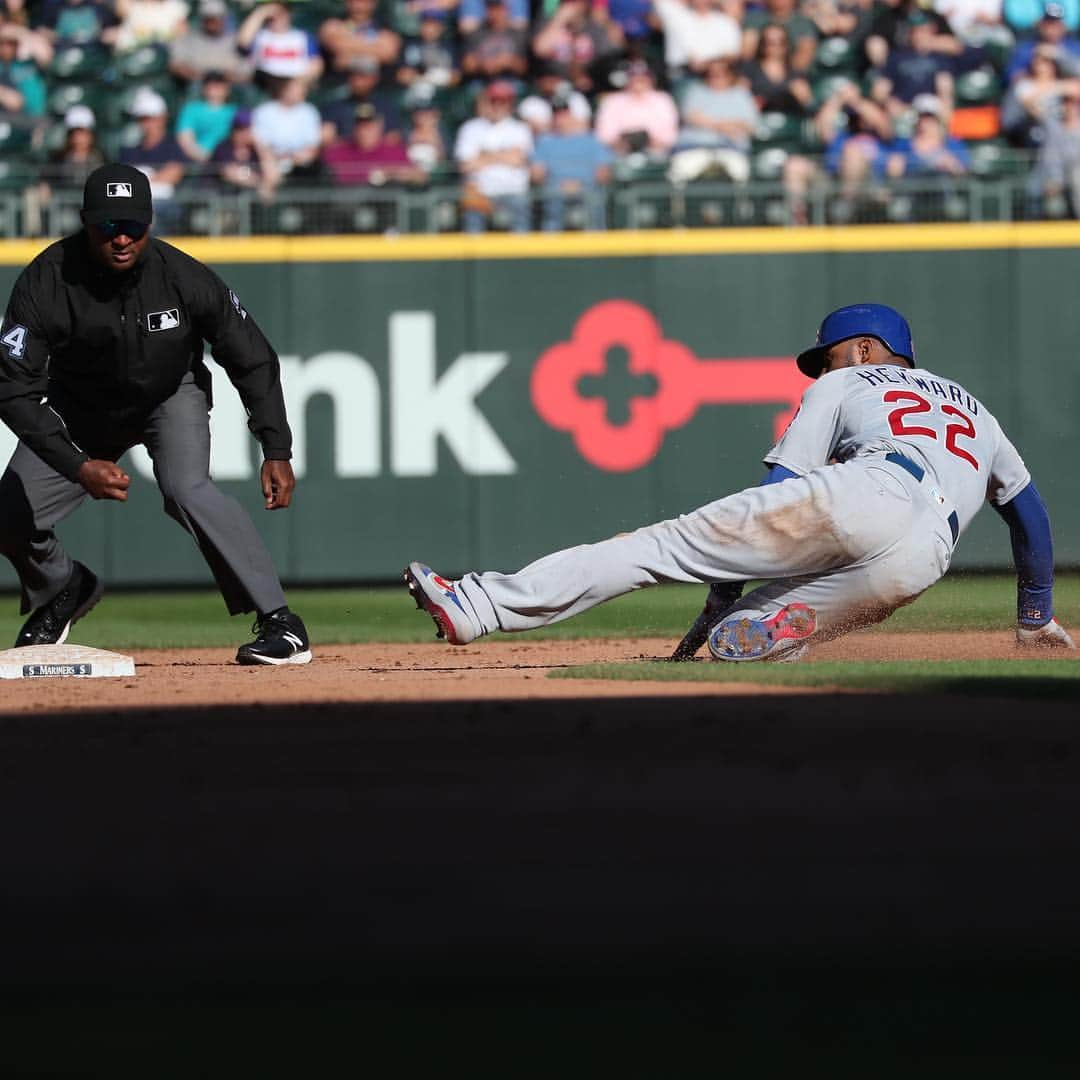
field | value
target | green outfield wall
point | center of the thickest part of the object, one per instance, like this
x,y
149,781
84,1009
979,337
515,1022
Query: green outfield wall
x,y
477,402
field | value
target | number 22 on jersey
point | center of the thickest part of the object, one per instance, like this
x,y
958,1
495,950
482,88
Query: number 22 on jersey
x,y
913,405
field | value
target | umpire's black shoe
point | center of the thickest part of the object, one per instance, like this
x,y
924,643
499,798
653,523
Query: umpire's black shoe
x,y
280,638
50,623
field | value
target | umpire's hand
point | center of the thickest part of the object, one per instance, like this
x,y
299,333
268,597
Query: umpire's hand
x,y
104,479
277,484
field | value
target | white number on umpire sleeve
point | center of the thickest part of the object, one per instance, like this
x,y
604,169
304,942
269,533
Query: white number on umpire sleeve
x,y
15,340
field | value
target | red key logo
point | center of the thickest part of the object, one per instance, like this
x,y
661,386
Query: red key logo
x,y
683,384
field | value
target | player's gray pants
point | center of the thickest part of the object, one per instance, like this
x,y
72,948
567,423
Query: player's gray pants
x,y
34,498
853,541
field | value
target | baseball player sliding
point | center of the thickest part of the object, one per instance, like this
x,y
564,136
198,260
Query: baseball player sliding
x,y
867,492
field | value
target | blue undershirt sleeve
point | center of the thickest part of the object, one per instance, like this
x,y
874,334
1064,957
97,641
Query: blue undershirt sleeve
x,y
1033,555
777,473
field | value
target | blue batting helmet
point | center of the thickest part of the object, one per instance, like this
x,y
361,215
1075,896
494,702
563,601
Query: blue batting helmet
x,y
858,320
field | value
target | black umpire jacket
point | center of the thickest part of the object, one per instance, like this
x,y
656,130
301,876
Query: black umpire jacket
x,y
87,354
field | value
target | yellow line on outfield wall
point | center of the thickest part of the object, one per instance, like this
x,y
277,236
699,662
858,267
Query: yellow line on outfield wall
x,y
415,248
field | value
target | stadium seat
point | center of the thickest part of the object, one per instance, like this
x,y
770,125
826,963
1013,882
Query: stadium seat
x,y
63,95
835,54
143,64
978,87
79,61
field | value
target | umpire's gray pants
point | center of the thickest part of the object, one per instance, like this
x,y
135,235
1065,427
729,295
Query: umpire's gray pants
x,y
34,498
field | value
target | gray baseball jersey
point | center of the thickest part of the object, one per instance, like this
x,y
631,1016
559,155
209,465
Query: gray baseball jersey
x,y
934,422
891,464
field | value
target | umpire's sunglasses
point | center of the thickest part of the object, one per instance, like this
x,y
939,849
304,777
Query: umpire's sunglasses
x,y
136,230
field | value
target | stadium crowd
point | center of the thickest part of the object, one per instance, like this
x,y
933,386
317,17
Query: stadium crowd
x,y
534,110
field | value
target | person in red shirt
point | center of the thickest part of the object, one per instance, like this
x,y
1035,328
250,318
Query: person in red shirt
x,y
368,157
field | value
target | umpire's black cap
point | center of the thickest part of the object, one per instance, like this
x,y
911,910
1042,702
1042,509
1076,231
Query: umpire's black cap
x,y
117,193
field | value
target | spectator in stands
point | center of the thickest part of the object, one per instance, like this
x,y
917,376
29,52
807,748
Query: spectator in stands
x,y
206,121
359,34
158,155
369,158
34,46
1035,98
572,166
913,69
471,15
492,150
1056,179
1052,31
802,34
363,88
635,18
1024,15
66,169
977,22
148,22
580,44
242,163
695,31
773,83
22,89
548,84
639,119
850,19
930,151
430,59
78,22
290,127
719,116
426,145
495,49
856,133
892,29
278,50
209,46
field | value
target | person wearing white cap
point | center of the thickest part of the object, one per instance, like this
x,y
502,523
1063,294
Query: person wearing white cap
x,y
157,154
67,167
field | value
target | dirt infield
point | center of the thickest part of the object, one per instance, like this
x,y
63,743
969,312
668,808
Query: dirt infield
x,y
513,669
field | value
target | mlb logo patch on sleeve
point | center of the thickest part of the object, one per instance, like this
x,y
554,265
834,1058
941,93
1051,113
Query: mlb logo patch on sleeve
x,y
118,191
163,320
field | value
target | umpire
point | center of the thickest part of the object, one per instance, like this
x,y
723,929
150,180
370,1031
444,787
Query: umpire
x,y
101,349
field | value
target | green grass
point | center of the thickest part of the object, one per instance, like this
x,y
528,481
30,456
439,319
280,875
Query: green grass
x,y
340,616
992,678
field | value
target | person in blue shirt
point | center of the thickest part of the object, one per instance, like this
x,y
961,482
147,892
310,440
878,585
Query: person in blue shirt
x,y
206,122
570,164
930,151
21,76
1025,15
1051,29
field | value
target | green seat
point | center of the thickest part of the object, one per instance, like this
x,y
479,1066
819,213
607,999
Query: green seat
x,y
142,63
995,158
835,54
827,85
978,87
768,164
65,94
782,130
79,61
14,138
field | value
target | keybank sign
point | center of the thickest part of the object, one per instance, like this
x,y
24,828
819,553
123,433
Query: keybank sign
x,y
425,407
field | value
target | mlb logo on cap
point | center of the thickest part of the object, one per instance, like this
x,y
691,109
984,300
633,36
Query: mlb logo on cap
x,y
110,183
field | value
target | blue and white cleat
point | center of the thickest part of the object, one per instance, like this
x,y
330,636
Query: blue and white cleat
x,y
773,638
441,600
